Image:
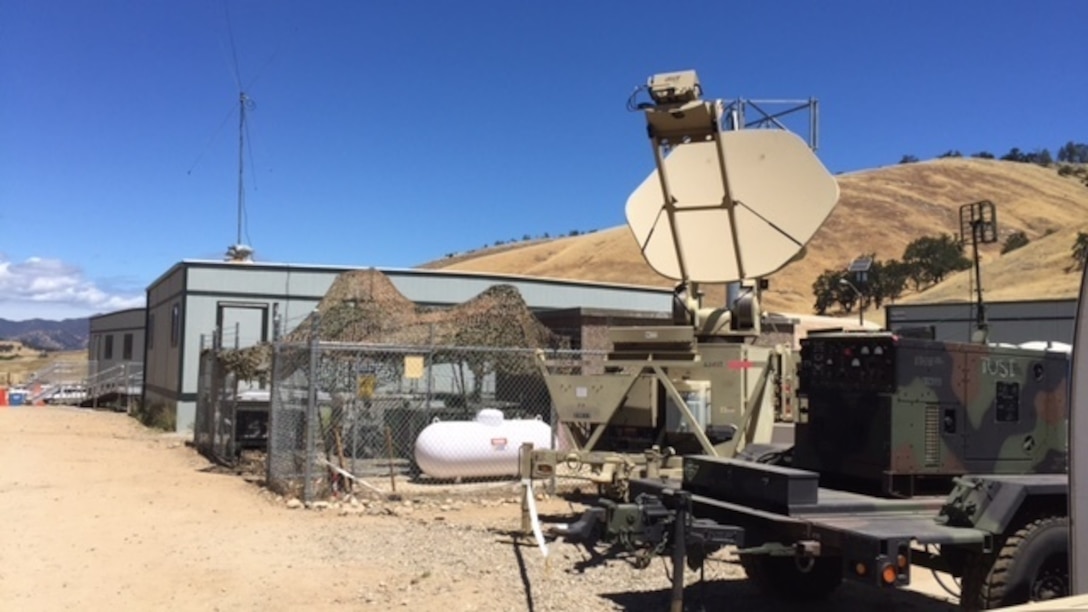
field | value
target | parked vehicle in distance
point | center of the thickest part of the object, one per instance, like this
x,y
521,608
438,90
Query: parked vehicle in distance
x,y
67,395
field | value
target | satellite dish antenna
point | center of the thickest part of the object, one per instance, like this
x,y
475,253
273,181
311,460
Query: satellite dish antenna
x,y
722,206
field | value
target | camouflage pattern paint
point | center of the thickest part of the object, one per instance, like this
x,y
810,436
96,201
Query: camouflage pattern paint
x,y
895,412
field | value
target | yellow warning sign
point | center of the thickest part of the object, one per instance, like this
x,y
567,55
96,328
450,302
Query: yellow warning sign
x,y
413,366
366,385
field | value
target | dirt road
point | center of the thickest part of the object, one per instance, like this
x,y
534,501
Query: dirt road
x,y
98,513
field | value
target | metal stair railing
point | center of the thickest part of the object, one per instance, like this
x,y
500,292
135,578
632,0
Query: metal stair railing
x,y
125,378
47,381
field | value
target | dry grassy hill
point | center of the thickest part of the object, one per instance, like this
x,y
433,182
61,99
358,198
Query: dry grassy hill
x,y
881,211
20,361
1040,270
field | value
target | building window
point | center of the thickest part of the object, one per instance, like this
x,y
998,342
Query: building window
x,y
126,347
151,331
175,324
107,352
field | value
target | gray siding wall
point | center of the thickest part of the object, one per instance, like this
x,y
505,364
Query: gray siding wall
x,y
423,286
1011,322
116,326
165,327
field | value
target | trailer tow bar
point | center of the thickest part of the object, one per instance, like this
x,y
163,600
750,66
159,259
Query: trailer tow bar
x,y
679,549
689,531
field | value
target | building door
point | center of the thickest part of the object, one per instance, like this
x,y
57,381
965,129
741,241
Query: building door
x,y
241,324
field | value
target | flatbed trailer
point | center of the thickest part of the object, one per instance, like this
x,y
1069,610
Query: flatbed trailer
x,y
790,532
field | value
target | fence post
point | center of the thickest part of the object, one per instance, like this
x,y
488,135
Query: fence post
x,y
125,389
94,384
311,413
129,388
553,421
430,369
273,419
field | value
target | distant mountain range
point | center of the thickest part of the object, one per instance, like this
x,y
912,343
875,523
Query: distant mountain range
x,y
43,335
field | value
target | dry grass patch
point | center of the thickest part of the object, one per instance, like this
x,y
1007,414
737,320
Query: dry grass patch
x,y
880,211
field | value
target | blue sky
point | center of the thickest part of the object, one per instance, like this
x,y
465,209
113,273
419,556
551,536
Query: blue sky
x,y
390,134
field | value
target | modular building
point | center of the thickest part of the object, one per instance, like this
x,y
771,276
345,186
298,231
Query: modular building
x,y
116,341
245,302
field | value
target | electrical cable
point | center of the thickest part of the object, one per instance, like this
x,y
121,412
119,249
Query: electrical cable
x,y
941,582
631,105
233,49
215,135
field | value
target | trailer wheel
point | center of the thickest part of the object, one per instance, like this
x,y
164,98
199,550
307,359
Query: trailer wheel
x,y
1032,565
781,577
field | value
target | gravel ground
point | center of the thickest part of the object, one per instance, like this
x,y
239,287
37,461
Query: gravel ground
x,y
98,513
462,551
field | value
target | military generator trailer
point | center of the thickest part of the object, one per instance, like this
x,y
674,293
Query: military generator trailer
x,y
664,392
950,456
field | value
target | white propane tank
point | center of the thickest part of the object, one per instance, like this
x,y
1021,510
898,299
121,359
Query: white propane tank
x,y
486,446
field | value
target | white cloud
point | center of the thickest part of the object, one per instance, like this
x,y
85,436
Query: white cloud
x,y
50,288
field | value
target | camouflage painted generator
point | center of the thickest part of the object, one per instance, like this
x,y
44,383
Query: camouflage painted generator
x,y
901,416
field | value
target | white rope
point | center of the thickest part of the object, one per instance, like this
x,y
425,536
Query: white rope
x,y
534,518
353,477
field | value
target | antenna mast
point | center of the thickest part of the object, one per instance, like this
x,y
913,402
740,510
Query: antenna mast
x,y
979,221
240,252
241,161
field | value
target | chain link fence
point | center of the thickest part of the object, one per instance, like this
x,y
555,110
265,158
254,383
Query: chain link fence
x,y
345,413
232,412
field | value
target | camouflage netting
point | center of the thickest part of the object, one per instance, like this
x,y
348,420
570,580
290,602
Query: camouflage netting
x,y
363,306
247,363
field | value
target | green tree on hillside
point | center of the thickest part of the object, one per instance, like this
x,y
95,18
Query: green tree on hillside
x,y
1042,157
1039,156
908,159
1080,251
983,155
1014,241
931,258
823,289
1014,154
887,280
1073,153
829,292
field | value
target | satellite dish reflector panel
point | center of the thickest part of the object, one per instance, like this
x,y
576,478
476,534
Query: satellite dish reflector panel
x,y
783,194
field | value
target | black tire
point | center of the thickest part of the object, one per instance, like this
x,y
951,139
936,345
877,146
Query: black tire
x,y
780,576
1031,565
